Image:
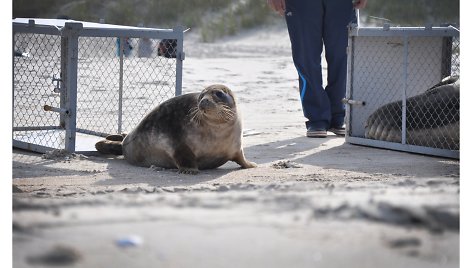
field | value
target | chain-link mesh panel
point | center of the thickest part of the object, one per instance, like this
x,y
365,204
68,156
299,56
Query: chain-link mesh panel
x,y
147,80
377,78
432,115
98,73
387,71
36,61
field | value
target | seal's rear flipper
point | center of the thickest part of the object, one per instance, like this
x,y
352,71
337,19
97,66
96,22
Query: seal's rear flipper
x,y
109,147
116,137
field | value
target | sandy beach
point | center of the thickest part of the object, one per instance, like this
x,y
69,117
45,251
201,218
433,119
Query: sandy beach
x,y
309,203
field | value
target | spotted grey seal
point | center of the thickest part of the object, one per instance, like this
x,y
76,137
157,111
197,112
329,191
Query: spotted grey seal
x,y
190,132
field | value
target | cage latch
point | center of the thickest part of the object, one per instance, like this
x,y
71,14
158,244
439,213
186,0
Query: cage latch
x,y
181,56
58,81
353,102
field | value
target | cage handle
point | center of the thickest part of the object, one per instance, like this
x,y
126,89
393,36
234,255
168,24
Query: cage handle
x,y
353,102
49,108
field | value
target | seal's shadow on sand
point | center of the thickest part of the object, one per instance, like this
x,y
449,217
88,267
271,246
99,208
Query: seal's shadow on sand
x,y
124,173
328,153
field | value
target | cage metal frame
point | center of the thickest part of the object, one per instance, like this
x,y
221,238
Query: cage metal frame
x,y
405,33
69,32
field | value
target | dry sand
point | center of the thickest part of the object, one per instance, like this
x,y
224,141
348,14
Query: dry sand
x,y
310,203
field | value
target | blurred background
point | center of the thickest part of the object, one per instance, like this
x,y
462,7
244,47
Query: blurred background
x,y
217,18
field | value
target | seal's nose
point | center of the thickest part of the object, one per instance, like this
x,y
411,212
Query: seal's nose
x,y
205,104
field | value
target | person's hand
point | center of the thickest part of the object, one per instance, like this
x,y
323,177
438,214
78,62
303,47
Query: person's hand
x,y
277,5
358,4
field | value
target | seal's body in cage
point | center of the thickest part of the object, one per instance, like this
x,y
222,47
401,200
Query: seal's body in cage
x,y
432,118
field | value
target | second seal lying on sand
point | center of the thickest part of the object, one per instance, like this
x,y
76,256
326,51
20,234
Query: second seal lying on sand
x,y
189,132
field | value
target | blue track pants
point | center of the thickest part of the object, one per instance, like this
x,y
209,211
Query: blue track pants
x,y
312,24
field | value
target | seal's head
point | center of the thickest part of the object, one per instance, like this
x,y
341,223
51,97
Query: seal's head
x,y
216,104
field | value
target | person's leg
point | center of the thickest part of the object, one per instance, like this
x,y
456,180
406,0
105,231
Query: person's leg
x,y
338,14
304,23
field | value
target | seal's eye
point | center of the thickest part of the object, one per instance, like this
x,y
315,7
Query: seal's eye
x,y
220,95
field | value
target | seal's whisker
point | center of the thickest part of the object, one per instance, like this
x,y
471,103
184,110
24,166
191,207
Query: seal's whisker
x,y
195,115
227,109
226,115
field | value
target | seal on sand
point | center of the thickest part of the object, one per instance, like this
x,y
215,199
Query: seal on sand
x,y
432,118
190,132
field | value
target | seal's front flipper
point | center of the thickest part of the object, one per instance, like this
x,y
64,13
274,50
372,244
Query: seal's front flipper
x,y
185,160
190,171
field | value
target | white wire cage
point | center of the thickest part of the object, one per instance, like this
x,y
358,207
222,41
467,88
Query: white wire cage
x,y
403,89
75,82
